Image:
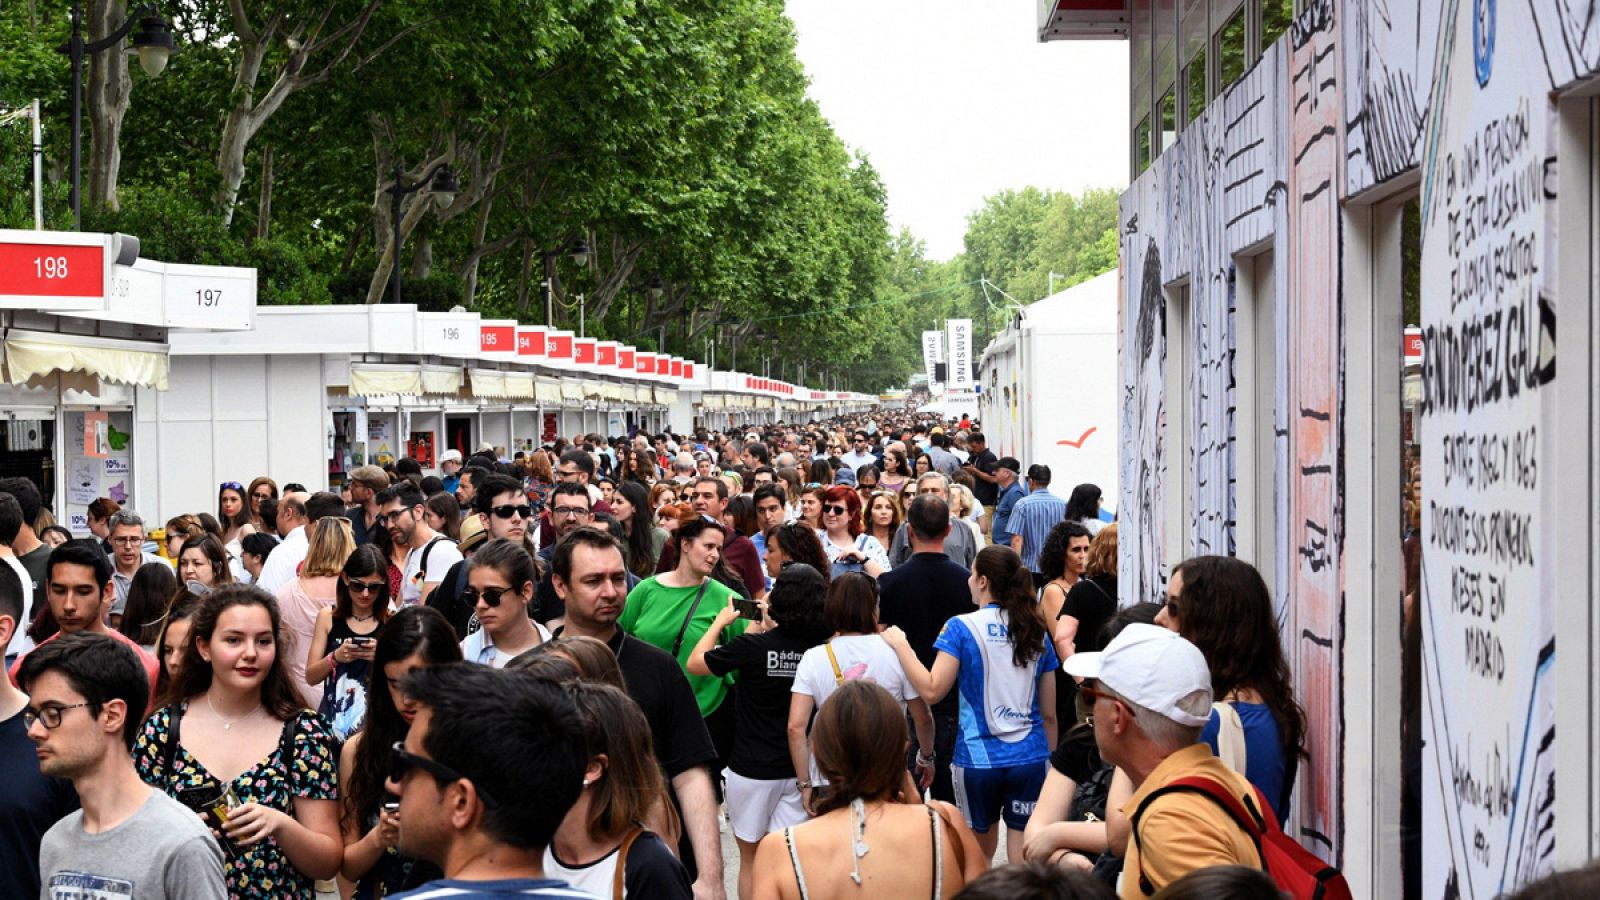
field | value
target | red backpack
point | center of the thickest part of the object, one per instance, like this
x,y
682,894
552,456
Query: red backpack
x,y
1294,869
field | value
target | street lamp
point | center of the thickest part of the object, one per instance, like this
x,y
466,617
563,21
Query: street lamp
x,y
154,44
441,182
579,251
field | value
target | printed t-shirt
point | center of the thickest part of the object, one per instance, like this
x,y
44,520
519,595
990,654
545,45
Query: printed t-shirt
x,y
1000,721
766,664
162,850
860,656
444,554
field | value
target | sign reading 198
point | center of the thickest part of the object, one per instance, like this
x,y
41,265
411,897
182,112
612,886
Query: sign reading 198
x,y
50,267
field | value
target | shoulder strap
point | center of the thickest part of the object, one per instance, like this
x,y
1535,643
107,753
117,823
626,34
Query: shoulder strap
x,y
286,742
1249,820
622,862
169,752
677,643
938,854
422,564
838,676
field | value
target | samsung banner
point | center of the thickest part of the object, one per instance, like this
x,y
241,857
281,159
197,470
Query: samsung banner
x,y
932,355
959,372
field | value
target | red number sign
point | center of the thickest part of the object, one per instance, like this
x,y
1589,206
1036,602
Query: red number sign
x,y
52,270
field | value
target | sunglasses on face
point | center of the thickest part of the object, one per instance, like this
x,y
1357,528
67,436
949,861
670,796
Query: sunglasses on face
x,y
365,587
491,596
261,496
402,762
508,510
836,510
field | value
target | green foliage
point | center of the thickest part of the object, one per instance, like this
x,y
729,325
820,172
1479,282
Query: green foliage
x,y
438,292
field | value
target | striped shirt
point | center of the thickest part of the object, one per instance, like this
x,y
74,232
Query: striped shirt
x,y
1032,518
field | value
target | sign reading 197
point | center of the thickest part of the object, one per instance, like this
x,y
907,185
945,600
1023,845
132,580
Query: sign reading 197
x,y
207,296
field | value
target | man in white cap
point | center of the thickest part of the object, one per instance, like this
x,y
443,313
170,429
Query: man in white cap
x,y
450,470
1151,694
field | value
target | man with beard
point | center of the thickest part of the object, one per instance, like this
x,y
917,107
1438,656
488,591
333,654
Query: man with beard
x,y
431,554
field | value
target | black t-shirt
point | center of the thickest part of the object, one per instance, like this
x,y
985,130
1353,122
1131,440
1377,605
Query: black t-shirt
x,y
446,598
358,525
1092,601
29,805
987,492
649,871
766,665
919,596
657,683
36,563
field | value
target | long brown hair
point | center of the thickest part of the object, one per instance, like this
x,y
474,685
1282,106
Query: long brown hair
x,y
278,694
1224,608
859,742
632,784
1011,586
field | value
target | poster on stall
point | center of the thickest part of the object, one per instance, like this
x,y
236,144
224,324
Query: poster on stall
x,y
83,480
378,430
420,448
96,435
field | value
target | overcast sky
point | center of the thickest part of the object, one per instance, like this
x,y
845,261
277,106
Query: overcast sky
x,y
954,100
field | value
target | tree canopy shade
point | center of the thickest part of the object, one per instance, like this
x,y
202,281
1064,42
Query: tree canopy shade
x,y
675,138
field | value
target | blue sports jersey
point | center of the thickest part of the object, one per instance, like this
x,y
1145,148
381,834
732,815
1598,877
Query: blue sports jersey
x,y
1000,721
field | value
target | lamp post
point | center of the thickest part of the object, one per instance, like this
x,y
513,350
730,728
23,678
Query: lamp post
x,y
154,43
579,251
441,182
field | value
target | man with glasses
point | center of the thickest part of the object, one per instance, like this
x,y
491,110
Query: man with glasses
x,y
1150,692
593,583
860,453
431,554
574,467
284,563
78,588
570,509
31,801
128,554
487,771
960,545
85,707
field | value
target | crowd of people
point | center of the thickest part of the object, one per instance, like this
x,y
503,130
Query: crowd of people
x,y
864,647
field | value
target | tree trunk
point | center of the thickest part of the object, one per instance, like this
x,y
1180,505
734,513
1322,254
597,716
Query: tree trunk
x,y
422,256
107,104
522,283
264,210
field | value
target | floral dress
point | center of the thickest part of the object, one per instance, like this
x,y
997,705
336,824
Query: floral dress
x,y
261,871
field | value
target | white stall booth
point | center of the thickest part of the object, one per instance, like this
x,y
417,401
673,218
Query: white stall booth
x,y
1067,338
86,329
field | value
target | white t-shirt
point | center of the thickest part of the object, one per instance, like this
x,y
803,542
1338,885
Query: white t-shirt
x,y
20,642
444,554
478,647
860,656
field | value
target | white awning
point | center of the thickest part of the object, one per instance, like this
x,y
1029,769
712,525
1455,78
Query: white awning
x,y
548,390
665,396
572,389
711,401
519,385
611,391
30,354
378,381
593,390
441,380
486,383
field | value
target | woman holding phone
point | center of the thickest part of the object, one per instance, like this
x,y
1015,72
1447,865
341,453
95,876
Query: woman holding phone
x,y
342,641
413,638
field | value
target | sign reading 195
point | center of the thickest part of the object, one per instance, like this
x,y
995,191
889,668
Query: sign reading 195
x,y
50,267
207,296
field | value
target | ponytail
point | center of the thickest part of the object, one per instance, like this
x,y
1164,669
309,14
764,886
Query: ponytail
x,y
1011,585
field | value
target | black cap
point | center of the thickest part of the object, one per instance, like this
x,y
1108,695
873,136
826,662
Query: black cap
x,y
1039,473
1010,462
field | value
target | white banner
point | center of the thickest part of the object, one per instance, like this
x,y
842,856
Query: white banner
x,y
932,354
959,373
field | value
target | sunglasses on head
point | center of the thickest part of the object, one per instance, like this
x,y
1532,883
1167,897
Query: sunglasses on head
x,y
491,596
231,485
401,762
507,510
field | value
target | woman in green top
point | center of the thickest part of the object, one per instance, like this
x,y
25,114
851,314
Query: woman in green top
x,y
672,610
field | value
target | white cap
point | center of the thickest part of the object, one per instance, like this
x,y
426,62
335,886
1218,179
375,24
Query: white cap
x,y
1152,667
449,456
